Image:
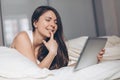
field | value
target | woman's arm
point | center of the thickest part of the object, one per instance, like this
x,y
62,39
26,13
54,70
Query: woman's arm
x,y
23,44
52,46
46,62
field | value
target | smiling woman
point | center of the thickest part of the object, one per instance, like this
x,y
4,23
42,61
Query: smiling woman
x,y
44,45
47,23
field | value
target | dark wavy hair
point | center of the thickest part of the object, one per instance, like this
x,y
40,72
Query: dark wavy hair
x,y
61,59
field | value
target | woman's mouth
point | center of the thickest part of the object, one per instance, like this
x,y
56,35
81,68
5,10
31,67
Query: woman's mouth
x,y
51,30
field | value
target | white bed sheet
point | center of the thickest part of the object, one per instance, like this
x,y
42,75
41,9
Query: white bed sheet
x,y
109,70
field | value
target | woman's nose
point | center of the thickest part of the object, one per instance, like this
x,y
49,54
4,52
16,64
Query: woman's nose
x,y
52,24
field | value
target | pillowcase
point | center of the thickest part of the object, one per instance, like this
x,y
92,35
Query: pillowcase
x,y
111,53
75,46
112,41
14,65
112,48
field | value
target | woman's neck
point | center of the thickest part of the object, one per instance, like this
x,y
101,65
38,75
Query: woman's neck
x,y
37,39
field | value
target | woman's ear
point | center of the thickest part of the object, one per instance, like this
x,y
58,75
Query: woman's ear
x,y
35,24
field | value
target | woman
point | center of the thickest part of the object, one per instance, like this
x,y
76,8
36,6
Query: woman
x,y
45,44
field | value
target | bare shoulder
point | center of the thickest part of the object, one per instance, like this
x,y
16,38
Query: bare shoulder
x,y
21,35
21,38
23,44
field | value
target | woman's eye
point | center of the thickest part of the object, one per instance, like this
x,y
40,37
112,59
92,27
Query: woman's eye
x,y
55,22
47,20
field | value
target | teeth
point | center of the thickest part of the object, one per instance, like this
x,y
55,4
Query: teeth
x,y
51,30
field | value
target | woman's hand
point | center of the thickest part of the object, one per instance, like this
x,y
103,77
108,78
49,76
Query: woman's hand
x,y
51,45
100,55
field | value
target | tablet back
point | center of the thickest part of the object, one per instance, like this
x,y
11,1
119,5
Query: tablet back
x,y
89,53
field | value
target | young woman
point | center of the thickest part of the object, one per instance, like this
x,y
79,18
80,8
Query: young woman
x,y
45,44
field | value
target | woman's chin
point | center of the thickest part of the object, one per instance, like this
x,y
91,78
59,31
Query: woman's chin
x,y
48,36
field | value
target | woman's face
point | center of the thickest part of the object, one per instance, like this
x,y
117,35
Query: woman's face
x,y
47,23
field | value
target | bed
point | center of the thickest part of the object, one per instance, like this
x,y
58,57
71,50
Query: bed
x,y
14,66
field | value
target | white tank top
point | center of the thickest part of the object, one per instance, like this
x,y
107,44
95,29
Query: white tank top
x,y
30,34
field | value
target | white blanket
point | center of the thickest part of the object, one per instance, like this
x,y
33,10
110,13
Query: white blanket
x,y
14,66
104,71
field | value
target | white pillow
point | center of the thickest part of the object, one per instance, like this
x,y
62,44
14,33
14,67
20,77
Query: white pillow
x,y
75,46
112,48
111,53
112,41
14,65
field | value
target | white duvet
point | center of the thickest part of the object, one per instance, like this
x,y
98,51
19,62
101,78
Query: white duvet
x,y
14,66
104,71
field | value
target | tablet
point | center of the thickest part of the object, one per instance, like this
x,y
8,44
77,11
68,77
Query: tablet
x,y
88,55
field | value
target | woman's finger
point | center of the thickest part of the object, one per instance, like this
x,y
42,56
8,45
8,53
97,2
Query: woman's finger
x,y
44,42
99,56
102,52
51,35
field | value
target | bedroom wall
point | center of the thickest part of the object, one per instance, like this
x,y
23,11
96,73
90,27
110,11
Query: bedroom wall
x,y
18,8
99,18
13,12
108,17
77,17
1,37
117,7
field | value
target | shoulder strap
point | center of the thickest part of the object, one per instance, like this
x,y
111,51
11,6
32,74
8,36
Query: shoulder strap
x,y
29,32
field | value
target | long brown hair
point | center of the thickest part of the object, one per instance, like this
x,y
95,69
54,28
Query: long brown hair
x,y
61,59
